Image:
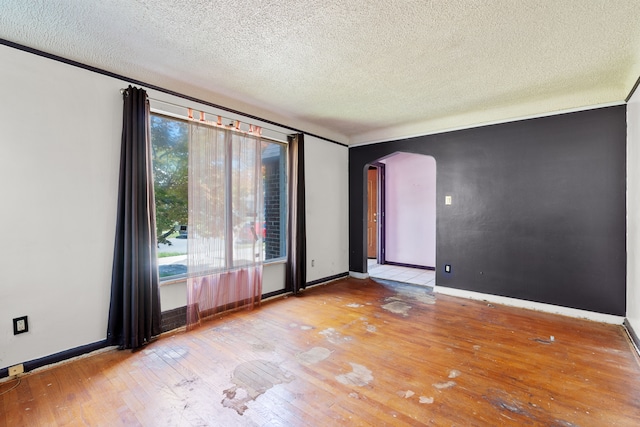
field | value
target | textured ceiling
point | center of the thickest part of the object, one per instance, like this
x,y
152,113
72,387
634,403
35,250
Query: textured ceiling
x,y
354,71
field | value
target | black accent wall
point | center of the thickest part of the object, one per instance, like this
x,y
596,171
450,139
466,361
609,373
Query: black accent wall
x,y
538,208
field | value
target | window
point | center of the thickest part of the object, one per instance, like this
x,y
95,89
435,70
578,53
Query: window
x,y
274,161
170,145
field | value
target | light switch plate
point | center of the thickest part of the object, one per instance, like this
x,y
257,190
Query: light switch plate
x,y
20,325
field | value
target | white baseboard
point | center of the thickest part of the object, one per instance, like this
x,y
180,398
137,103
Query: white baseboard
x,y
531,305
357,275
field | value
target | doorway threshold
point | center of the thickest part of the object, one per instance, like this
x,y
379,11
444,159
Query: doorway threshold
x,y
414,276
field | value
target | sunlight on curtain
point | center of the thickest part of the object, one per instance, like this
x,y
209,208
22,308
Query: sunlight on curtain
x,y
225,221
134,311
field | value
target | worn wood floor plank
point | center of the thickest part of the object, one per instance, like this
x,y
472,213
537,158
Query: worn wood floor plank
x,y
355,352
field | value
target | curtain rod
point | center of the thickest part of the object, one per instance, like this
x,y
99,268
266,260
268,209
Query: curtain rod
x,y
215,125
123,90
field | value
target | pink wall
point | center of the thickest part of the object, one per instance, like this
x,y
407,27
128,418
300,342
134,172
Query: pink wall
x,y
411,209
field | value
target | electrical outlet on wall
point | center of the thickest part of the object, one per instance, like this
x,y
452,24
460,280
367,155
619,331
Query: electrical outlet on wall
x,y
16,370
20,325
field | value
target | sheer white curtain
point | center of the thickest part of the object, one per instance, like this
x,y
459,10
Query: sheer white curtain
x,y
225,237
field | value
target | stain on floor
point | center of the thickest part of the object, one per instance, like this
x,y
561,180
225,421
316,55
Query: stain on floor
x,y
398,307
263,346
187,382
406,394
442,386
252,379
504,402
313,356
334,337
302,327
427,299
422,295
176,353
360,376
408,293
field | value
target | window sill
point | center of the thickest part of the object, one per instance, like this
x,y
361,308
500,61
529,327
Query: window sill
x,y
183,279
173,281
282,260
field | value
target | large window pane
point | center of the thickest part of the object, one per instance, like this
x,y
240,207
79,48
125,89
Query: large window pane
x,y
240,236
274,170
247,202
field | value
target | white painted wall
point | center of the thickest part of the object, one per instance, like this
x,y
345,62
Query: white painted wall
x,y
327,208
273,277
633,212
410,214
60,132
60,145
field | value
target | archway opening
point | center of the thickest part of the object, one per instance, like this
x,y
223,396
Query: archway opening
x,y
401,218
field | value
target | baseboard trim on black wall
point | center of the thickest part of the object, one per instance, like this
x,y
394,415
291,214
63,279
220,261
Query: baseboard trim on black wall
x,y
400,264
57,357
632,335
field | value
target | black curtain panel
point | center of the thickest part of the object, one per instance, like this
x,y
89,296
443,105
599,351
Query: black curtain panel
x,y
296,241
134,314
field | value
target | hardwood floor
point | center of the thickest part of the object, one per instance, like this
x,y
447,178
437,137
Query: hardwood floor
x,y
354,352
